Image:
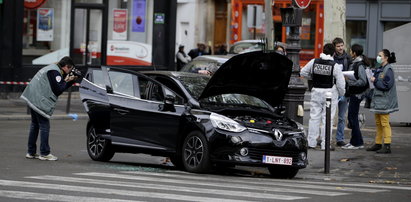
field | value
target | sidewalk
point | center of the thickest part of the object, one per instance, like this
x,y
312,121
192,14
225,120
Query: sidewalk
x,y
16,108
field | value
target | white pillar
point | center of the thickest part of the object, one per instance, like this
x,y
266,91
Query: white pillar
x,y
334,20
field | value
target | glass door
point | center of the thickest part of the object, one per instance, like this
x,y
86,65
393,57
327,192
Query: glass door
x,y
87,40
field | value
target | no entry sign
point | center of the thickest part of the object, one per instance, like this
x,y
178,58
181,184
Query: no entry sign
x,y
302,3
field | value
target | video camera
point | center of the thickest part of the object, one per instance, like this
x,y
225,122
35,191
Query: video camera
x,y
75,72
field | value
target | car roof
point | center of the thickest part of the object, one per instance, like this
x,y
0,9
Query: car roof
x,y
249,41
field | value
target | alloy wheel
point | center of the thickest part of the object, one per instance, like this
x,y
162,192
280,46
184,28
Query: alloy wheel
x,y
95,143
194,151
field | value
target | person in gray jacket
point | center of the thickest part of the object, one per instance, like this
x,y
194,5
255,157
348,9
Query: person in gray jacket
x,y
384,101
357,87
326,76
41,96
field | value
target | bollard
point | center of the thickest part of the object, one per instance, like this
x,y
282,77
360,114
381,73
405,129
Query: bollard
x,y
327,132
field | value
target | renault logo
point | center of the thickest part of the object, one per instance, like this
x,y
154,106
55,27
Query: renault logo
x,y
277,134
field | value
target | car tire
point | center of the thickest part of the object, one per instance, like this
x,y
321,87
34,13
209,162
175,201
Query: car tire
x,y
98,148
283,172
195,153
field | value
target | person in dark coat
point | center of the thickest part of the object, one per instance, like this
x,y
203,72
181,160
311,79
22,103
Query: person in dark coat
x,y
200,50
344,59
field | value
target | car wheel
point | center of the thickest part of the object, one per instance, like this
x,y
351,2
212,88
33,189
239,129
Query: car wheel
x,y
196,157
283,172
98,148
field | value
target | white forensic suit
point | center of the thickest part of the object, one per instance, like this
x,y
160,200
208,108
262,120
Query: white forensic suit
x,y
326,76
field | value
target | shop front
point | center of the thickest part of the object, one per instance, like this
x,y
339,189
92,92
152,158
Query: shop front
x,y
311,31
136,34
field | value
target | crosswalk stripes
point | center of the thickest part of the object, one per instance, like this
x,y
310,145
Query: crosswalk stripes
x,y
239,185
54,197
175,186
270,184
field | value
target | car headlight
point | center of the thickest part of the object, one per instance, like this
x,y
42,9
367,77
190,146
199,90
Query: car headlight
x,y
226,123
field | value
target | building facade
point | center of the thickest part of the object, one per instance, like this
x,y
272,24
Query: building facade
x,y
367,20
136,34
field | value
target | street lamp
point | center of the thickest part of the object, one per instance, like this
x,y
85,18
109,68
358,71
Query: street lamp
x,y
294,98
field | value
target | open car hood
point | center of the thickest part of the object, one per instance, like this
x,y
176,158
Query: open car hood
x,y
262,75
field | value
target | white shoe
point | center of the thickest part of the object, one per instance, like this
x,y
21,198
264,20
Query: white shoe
x,y
30,156
49,157
350,146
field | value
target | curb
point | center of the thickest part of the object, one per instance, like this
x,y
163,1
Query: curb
x,y
54,117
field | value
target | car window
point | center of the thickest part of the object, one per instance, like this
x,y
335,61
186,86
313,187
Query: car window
x,y
156,93
151,90
122,82
170,84
98,78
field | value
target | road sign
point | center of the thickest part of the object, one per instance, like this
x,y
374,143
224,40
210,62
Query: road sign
x,y
302,3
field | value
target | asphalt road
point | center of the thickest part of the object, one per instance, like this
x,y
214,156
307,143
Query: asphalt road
x,y
131,177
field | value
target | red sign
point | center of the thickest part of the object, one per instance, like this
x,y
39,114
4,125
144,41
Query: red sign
x,y
120,20
33,4
302,3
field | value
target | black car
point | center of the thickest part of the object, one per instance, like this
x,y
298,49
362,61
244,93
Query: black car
x,y
198,121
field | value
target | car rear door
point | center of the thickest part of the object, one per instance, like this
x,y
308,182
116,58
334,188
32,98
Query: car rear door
x,y
138,118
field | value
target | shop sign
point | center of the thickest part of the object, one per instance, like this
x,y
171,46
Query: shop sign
x,y
139,15
33,4
128,53
120,24
302,3
45,24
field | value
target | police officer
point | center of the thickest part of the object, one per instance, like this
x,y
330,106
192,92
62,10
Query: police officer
x,y
326,76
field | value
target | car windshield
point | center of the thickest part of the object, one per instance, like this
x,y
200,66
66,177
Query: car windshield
x,y
235,100
196,65
196,84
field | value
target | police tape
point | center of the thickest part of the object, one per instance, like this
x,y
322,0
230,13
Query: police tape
x,y
23,83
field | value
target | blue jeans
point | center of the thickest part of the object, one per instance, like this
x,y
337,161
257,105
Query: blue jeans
x,y
39,122
353,109
342,109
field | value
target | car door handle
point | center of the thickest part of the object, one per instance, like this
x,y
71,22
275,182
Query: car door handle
x,y
121,111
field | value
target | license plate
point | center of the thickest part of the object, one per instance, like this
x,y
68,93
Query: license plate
x,y
278,160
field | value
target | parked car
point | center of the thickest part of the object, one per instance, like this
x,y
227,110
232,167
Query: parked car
x,y
197,120
244,46
207,63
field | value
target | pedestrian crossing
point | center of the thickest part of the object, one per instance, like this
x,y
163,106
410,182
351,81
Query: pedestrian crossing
x,y
174,186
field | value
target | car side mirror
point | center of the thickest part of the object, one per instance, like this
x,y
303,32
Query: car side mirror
x,y
169,100
168,103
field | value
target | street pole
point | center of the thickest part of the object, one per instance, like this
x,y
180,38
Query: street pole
x,y
255,21
327,132
269,31
294,98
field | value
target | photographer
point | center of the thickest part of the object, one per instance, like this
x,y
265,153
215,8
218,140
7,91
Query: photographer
x,y
41,96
